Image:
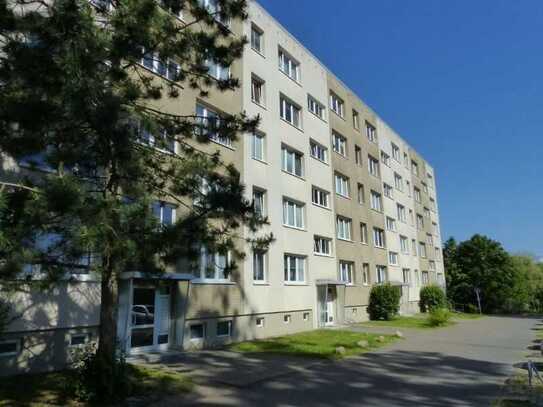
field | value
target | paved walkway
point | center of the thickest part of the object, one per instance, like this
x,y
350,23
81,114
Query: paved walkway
x,y
462,365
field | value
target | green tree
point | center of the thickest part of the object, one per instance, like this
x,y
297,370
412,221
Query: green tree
x,y
74,96
525,292
478,263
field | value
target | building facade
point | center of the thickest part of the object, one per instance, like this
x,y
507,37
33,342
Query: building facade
x,y
349,202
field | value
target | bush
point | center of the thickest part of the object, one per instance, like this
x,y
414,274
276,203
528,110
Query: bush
x,y
432,297
439,317
95,382
384,302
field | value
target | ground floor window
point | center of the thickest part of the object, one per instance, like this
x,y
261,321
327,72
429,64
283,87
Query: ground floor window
x,y
78,339
197,331
287,319
9,348
224,328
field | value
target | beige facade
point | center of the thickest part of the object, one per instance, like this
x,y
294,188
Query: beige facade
x,y
326,256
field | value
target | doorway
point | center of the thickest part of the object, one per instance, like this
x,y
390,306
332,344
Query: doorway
x,y
150,317
330,306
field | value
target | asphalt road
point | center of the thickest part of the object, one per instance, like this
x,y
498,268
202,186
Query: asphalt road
x,y
462,365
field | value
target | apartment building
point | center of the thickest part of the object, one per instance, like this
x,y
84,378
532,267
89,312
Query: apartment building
x,y
350,202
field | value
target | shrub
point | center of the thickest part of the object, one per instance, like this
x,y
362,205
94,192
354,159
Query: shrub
x,y
93,381
439,317
384,302
432,297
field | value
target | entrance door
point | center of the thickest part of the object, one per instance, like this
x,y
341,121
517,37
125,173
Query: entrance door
x,y
330,300
150,318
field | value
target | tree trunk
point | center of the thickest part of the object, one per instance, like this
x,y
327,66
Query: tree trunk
x,y
105,355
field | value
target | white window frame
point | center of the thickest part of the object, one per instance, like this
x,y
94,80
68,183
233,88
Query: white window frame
x,y
229,324
337,105
289,65
342,185
376,201
365,274
393,258
263,262
346,272
258,90
204,329
404,244
373,166
344,228
396,153
202,268
298,271
320,244
379,239
339,144
371,132
204,114
258,146
298,212
391,224
381,274
388,190
320,197
364,233
402,215
289,108
315,107
287,154
259,195
318,151
260,33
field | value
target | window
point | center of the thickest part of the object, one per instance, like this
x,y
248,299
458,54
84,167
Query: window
x,y
209,123
440,279
358,155
213,266
411,217
408,188
342,185
420,222
435,228
337,105
315,107
260,322
339,143
259,266
417,277
343,228
379,238
289,66
346,272
258,151
425,278
424,187
161,140
361,194
414,247
404,244
406,160
376,201
164,213
381,274
257,39
356,120
373,166
306,316
429,239
438,253
366,274
320,197
9,348
432,204
259,202
197,331
401,213
287,318
427,212
371,133
415,168
292,161
78,339
393,258
363,233
294,269
293,214
398,182
318,151
406,274
167,69
257,90
422,249
217,71
385,158
213,7
290,112
432,265
388,190
395,152
390,224
224,328
322,245
417,194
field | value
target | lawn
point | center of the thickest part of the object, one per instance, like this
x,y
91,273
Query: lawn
x,y
315,344
418,321
52,389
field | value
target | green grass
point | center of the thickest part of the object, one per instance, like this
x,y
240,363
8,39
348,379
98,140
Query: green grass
x,y
464,315
314,344
51,389
418,321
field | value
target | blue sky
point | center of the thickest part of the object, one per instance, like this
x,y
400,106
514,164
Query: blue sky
x,y
462,81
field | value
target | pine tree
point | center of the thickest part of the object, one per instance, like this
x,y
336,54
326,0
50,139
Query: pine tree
x,y
75,98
